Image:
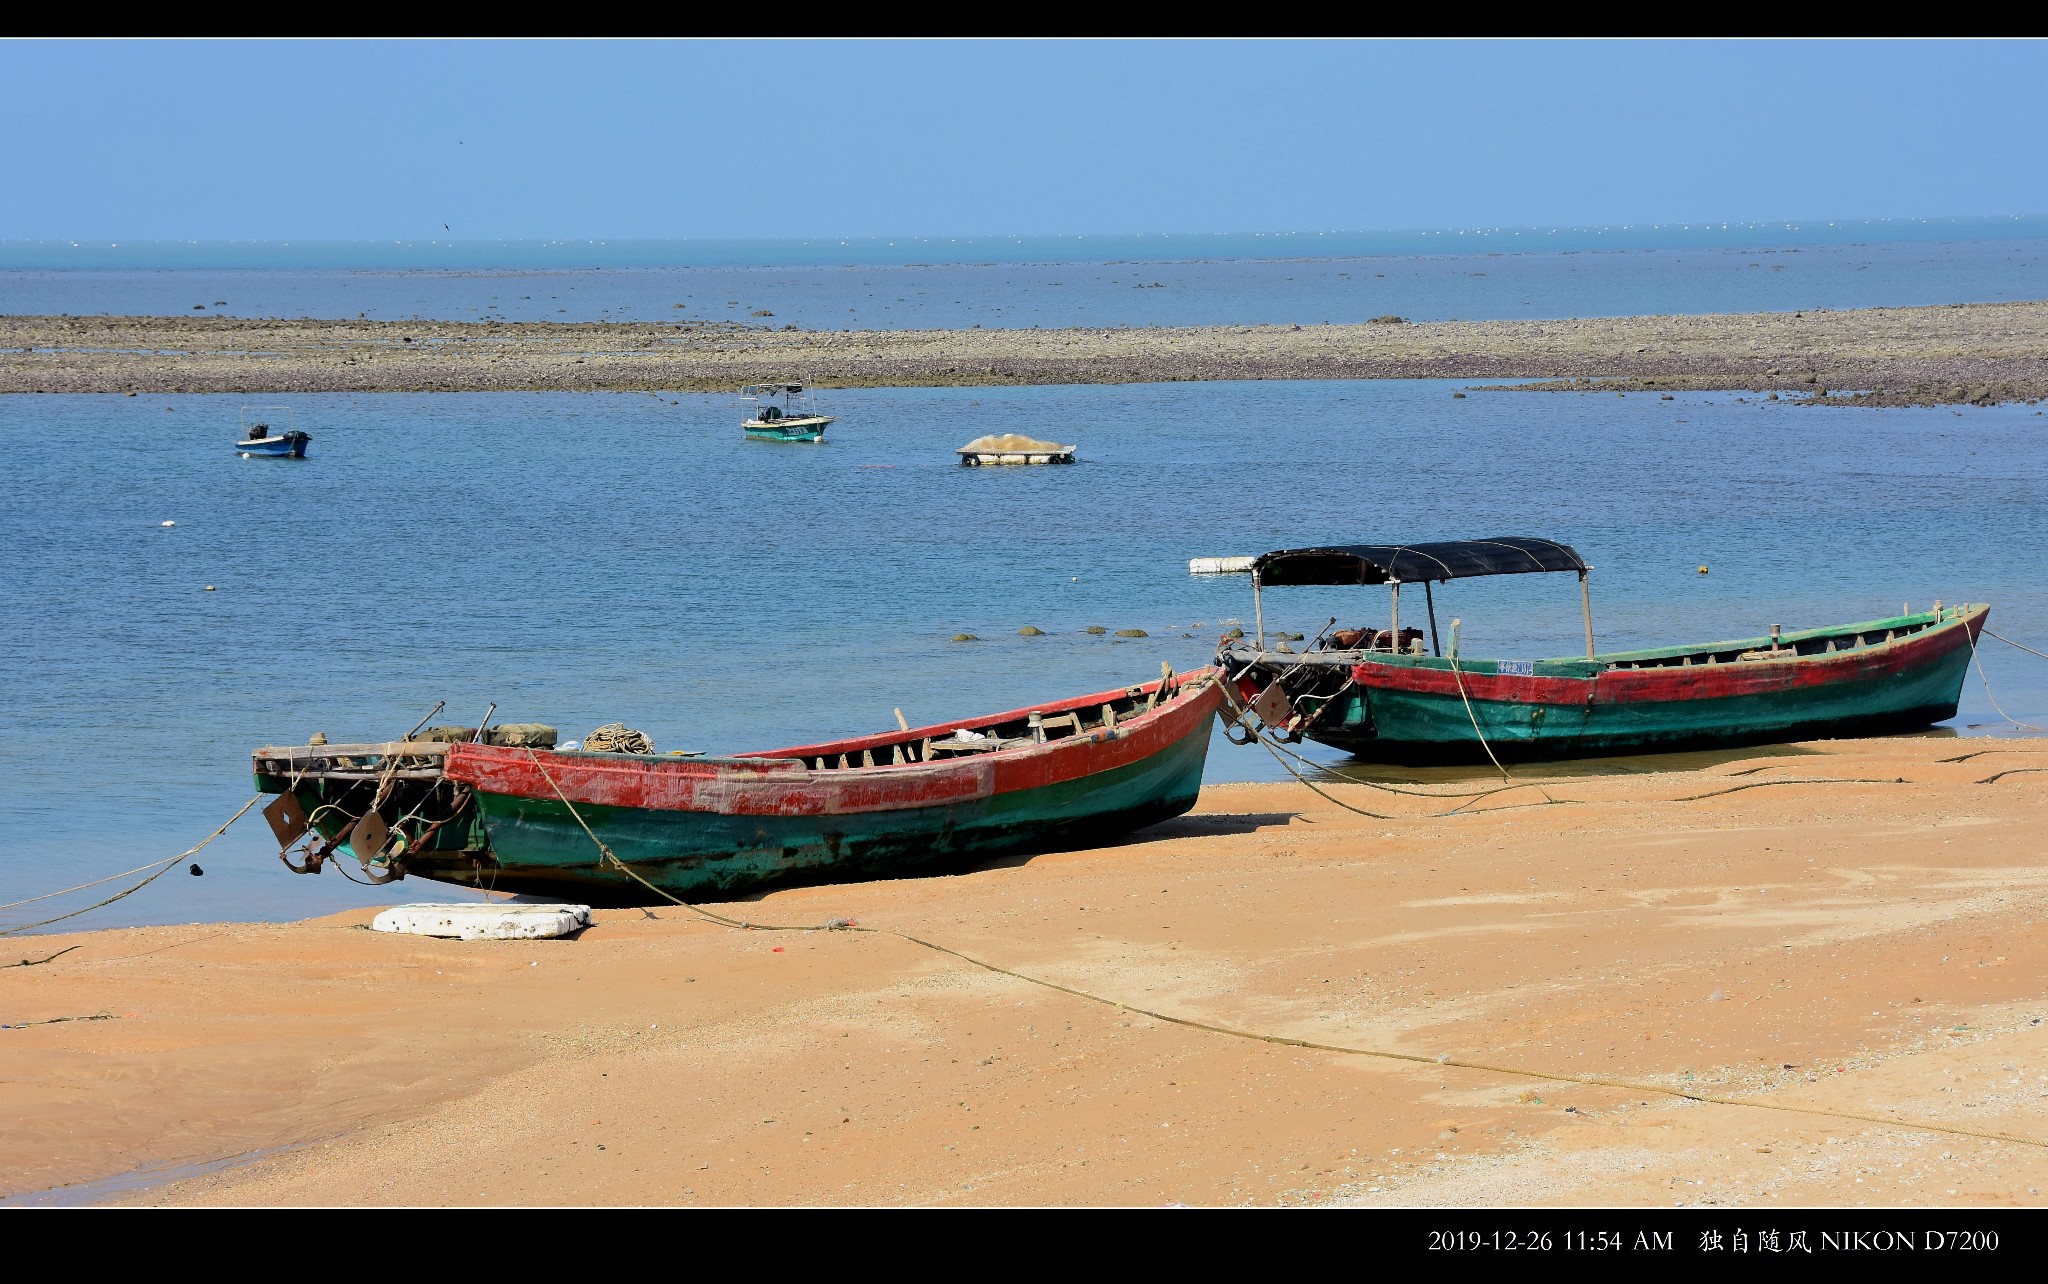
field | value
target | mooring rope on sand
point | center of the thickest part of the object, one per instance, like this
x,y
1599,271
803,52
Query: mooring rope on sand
x,y
1548,801
1381,1054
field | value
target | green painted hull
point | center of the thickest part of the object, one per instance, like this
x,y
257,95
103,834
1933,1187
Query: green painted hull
x,y
808,429
1409,709
1074,772
540,848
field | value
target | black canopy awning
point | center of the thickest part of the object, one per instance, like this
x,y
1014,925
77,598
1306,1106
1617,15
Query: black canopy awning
x,y
1407,563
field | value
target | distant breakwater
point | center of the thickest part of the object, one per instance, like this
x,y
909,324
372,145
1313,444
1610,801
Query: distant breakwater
x,y
1977,353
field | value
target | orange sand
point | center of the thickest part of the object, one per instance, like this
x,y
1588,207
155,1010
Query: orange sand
x,y
1863,948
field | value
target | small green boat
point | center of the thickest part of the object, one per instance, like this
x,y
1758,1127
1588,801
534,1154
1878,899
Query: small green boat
x,y
781,412
602,828
1381,695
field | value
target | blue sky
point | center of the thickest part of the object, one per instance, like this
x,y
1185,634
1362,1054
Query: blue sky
x,y
345,140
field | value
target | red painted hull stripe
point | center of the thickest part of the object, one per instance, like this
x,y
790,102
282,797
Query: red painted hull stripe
x,y
785,787
1677,684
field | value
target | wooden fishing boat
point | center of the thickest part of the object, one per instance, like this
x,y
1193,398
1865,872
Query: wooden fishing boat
x,y
1380,694
260,440
912,801
781,412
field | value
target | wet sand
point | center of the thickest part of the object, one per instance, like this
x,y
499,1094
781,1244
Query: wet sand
x,y
1982,353
1850,929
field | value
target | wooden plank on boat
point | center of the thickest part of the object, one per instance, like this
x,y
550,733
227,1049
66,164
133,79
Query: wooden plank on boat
x,y
405,748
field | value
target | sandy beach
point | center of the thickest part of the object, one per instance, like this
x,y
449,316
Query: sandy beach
x,y
1801,976
1974,353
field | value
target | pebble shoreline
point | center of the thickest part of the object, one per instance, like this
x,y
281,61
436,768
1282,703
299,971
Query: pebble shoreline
x,y
1953,354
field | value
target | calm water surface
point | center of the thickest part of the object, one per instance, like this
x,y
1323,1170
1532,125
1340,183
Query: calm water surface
x,y
1487,285
581,559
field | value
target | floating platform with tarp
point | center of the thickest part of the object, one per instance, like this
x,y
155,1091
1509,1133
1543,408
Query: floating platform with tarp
x,y
1014,448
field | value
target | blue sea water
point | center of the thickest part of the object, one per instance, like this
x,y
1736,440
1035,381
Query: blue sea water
x,y
580,559
958,283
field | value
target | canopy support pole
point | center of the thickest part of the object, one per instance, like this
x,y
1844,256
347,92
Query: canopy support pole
x,y
1397,615
1429,598
1258,616
1586,605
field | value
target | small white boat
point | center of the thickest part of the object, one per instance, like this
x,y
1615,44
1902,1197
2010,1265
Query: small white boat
x,y
1013,448
260,437
781,412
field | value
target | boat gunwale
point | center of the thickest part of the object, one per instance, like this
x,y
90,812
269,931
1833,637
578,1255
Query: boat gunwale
x,y
1184,684
788,785
789,763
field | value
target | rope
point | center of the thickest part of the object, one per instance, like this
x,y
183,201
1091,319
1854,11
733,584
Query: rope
x,y
1327,796
1281,750
2013,771
97,1016
1459,674
30,900
1979,661
39,962
617,737
1796,780
1521,1072
847,925
613,858
2009,642
167,866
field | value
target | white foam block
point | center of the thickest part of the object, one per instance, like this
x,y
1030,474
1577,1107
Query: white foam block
x,y
503,922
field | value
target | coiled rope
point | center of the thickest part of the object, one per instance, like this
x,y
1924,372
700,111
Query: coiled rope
x,y
1380,1054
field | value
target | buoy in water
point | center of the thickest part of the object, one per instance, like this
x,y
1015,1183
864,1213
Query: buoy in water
x,y
1703,570
209,588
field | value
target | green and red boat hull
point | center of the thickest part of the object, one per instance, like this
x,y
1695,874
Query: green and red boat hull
x,y
1869,678
881,806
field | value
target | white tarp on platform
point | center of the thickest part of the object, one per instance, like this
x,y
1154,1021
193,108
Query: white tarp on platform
x,y
501,922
